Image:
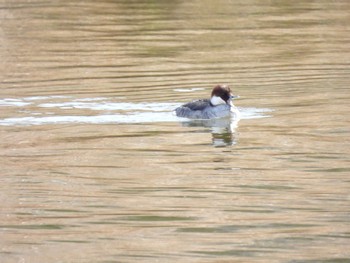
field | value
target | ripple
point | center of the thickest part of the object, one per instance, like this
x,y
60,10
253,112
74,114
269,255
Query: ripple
x,y
107,111
188,90
100,106
13,103
254,113
99,119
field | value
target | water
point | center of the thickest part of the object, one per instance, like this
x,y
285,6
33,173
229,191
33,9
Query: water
x,y
36,112
95,167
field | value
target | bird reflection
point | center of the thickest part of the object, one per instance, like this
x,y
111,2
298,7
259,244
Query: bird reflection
x,y
222,130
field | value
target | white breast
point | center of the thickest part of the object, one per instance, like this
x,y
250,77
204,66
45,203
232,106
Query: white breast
x,y
215,100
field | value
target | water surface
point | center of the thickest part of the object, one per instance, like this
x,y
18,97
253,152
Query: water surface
x,y
95,167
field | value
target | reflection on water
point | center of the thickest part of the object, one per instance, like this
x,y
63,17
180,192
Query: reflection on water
x,y
222,129
95,167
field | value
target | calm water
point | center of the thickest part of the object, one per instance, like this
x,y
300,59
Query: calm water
x,y
95,167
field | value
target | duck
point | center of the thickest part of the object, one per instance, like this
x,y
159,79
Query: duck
x,y
219,105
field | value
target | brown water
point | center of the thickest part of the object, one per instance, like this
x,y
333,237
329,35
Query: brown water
x,y
96,168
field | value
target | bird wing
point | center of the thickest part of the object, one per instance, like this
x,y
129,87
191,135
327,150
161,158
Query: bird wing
x,y
197,105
